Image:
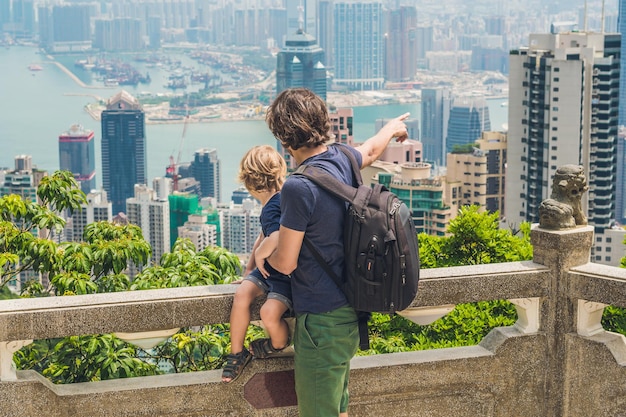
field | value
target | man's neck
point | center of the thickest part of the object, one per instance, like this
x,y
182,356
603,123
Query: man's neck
x,y
302,154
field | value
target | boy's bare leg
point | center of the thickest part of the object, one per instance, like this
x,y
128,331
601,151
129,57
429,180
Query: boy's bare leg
x,y
272,316
246,293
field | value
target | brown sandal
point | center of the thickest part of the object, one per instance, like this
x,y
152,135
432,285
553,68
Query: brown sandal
x,y
235,362
262,348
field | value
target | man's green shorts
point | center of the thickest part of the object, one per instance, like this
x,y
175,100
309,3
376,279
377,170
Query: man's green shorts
x,y
324,345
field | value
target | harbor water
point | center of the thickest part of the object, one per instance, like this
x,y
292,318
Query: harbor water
x,y
37,106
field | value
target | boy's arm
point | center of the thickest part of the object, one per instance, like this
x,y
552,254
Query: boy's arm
x,y
252,261
265,249
372,148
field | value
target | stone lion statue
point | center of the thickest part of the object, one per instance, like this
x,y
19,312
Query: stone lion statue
x,y
563,210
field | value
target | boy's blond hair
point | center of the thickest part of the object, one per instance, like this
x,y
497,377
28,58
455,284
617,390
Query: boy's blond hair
x,y
262,169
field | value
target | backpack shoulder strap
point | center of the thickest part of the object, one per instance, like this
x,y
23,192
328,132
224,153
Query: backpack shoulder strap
x,y
356,169
329,182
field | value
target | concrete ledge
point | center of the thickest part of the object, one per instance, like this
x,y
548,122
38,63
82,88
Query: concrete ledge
x,y
42,318
398,383
600,283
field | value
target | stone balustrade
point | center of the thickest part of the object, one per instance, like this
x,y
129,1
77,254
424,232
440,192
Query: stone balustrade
x,y
557,360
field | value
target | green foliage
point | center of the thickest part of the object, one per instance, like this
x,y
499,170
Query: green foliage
x,y
467,148
6,294
25,226
83,359
466,325
614,319
476,238
99,264
202,350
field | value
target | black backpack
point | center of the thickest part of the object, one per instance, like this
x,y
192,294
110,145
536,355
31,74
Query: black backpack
x,y
380,244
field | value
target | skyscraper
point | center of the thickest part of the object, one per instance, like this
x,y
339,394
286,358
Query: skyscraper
x,y
435,114
359,55
301,64
302,14
120,34
401,44
241,226
206,169
98,208
469,117
152,215
325,30
480,172
563,109
621,28
71,28
123,148
77,155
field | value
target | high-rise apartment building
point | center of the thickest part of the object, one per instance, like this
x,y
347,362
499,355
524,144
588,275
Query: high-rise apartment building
x,y
401,44
433,200
425,43
563,109
359,50
98,208
206,169
324,32
163,186
409,151
120,34
201,234
301,64
469,117
123,148
620,195
241,225
435,114
77,155
23,181
152,215
182,205
621,28
70,27
481,172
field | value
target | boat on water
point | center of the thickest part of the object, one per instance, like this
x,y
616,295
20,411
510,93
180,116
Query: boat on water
x,y
166,119
211,116
35,67
504,104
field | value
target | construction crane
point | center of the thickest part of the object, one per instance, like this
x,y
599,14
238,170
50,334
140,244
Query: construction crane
x,y
172,169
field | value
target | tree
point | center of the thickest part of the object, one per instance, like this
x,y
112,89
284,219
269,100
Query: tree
x,y
26,226
98,265
476,238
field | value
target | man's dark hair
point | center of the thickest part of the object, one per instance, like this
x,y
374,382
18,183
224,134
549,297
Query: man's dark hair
x,y
299,118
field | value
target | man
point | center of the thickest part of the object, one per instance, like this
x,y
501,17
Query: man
x,y
326,336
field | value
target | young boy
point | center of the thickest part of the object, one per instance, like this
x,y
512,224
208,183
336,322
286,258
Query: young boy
x,y
262,171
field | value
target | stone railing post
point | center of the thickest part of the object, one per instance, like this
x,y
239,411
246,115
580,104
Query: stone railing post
x,y
559,250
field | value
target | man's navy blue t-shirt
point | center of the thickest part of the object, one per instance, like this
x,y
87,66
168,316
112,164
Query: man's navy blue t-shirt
x,y
305,207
